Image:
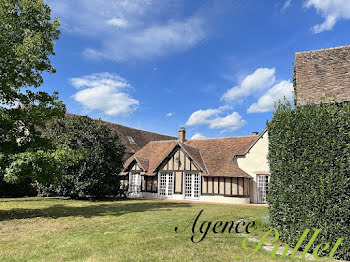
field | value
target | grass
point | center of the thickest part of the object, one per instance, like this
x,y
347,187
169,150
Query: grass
x,y
49,229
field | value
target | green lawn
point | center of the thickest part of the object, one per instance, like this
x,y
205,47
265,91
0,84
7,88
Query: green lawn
x,y
49,229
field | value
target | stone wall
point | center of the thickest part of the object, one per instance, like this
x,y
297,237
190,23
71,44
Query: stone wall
x,y
323,74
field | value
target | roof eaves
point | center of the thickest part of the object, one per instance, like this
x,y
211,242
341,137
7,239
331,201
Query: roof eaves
x,y
206,171
132,160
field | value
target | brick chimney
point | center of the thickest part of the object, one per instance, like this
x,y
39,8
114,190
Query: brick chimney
x,y
182,135
255,133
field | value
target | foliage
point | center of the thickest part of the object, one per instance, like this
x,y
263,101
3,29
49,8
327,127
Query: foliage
x,y
96,175
27,36
294,84
309,156
38,164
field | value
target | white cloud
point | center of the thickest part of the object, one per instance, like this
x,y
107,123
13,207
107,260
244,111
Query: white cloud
x,y
169,114
105,91
286,5
200,117
229,123
211,118
277,92
198,136
117,22
154,41
260,79
128,30
331,11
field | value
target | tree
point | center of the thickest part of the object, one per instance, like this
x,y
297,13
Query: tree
x,y
96,175
27,38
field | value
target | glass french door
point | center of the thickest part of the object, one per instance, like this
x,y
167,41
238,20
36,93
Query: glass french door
x,y
135,184
192,186
263,188
166,186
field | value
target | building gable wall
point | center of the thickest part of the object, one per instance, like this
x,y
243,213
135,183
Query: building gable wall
x,y
256,158
323,74
178,161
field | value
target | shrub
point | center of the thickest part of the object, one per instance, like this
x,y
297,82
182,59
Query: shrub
x,y
309,157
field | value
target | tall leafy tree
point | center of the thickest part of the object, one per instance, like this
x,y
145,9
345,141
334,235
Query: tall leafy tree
x,y
27,39
95,175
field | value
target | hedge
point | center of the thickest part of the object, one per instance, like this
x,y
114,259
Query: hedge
x,y
309,157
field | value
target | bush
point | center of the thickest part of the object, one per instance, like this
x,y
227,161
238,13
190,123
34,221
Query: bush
x,y
96,175
24,188
309,157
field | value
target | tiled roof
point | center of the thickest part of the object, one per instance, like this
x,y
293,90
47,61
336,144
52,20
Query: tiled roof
x,y
154,152
217,154
143,162
214,156
196,155
140,138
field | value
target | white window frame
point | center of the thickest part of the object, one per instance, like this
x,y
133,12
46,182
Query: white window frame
x,y
263,182
135,184
166,185
192,185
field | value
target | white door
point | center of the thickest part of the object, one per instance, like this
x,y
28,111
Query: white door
x,y
192,186
263,187
135,185
166,186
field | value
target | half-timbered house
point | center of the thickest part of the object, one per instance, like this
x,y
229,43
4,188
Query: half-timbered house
x,y
226,170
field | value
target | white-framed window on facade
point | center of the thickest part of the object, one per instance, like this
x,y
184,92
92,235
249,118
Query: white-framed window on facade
x,y
192,186
135,184
263,187
166,186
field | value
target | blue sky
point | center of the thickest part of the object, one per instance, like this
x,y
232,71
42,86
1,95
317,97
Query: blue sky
x,y
215,67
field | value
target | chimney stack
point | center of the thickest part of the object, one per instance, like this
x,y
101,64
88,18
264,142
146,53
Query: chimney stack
x,y
182,135
255,133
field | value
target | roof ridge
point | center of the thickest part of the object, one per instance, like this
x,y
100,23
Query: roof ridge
x,y
109,122
221,137
141,157
190,146
157,141
323,49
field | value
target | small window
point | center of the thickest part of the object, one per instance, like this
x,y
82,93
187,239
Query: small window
x,y
131,140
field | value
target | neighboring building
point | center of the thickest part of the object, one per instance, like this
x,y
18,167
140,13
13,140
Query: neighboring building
x,y
323,74
226,170
133,139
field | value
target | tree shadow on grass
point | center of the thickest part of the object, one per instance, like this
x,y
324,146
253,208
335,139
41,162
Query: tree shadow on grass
x,y
116,208
32,199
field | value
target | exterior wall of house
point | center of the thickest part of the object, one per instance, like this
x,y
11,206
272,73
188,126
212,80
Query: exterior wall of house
x,y
254,161
136,167
231,190
178,161
226,200
323,74
225,186
148,183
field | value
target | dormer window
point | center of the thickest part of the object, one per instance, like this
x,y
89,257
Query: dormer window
x,y
131,140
